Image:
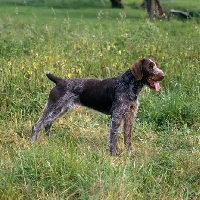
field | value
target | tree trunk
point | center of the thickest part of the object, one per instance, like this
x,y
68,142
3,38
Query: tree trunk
x,y
117,4
154,8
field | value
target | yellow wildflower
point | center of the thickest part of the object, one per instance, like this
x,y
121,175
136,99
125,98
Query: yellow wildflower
x,y
35,65
30,72
9,63
114,64
100,54
46,58
69,75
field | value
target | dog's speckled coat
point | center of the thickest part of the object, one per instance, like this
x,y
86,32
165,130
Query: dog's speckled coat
x,y
117,97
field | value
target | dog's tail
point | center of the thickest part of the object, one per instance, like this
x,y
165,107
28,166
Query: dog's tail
x,y
53,78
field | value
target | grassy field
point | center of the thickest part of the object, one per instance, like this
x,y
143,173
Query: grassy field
x,y
88,39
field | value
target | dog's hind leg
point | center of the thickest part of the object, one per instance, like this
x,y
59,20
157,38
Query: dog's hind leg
x,y
47,129
51,112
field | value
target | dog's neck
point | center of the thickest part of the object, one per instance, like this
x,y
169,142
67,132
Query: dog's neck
x,y
130,79
131,84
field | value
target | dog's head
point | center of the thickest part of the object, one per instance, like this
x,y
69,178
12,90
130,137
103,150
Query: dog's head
x,y
147,70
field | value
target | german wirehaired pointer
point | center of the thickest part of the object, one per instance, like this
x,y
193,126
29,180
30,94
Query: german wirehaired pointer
x,y
117,97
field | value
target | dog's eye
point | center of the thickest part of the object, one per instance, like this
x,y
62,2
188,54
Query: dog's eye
x,y
157,64
151,65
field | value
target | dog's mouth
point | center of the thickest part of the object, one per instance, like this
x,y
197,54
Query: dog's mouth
x,y
153,84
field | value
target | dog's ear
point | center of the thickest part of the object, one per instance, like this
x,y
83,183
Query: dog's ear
x,y
136,69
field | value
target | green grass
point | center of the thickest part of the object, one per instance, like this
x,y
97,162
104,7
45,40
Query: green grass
x,y
97,42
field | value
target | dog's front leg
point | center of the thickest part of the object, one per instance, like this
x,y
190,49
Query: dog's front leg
x,y
128,124
114,126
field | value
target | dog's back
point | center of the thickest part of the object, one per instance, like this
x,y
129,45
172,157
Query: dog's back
x,y
98,94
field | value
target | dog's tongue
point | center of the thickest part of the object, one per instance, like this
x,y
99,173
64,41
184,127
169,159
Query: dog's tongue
x,y
156,85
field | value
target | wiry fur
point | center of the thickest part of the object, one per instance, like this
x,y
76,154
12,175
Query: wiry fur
x,y
117,97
